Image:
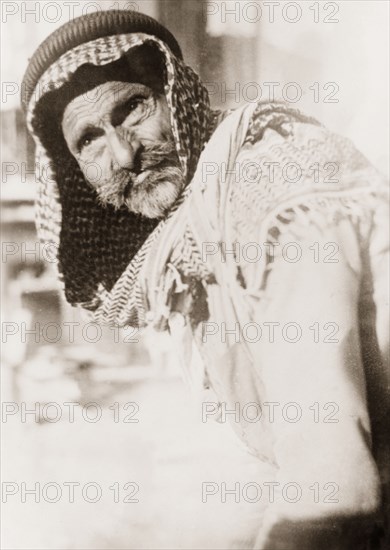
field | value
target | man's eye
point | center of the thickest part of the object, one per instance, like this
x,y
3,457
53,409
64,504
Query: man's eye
x,y
84,141
121,112
133,104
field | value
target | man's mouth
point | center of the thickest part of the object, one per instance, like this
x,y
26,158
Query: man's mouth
x,y
127,189
134,181
141,177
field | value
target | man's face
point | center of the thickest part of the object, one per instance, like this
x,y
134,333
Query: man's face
x,y
121,137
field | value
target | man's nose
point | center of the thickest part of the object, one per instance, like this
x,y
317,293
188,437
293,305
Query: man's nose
x,y
123,149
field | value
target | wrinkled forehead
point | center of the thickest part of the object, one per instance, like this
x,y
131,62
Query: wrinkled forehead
x,y
102,100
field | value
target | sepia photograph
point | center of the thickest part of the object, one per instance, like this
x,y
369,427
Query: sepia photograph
x,y
195,275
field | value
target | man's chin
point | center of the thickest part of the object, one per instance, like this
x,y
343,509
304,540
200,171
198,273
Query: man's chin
x,y
153,194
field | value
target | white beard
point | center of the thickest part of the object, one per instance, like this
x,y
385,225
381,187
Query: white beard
x,y
152,193
155,192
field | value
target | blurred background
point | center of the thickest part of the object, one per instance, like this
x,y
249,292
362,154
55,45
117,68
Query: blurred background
x,y
329,59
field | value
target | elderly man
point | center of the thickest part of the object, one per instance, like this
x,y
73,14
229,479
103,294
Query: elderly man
x,y
167,213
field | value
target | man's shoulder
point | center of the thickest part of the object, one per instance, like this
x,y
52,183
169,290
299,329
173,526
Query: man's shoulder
x,y
276,116
290,163
288,152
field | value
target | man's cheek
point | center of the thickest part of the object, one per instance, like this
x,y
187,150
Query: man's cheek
x,y
96,169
